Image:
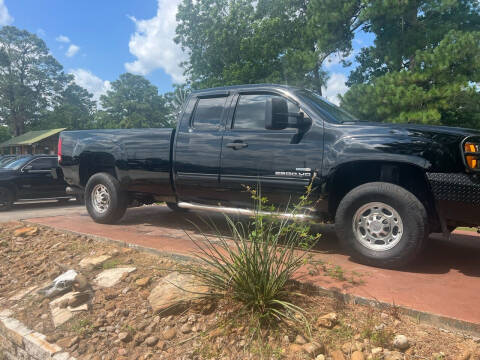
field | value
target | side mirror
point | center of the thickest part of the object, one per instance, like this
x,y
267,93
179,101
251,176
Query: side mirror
x,y
276,114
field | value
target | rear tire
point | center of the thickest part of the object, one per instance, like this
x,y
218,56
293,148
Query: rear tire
x,y
106,202
7,198
382,224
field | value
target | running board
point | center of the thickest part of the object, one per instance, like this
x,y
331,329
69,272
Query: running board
x,y
240,211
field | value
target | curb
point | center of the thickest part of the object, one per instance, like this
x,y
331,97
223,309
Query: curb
x,y
446,324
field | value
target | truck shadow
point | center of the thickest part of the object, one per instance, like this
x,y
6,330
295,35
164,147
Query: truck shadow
x,y
460,253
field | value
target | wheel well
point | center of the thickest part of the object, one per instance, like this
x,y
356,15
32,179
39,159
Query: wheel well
x,y
410,177
93,163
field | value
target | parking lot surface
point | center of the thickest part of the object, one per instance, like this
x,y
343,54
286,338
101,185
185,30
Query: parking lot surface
x,y
32,209
444,282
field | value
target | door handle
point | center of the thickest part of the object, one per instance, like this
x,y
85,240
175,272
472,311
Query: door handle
x,y
236,145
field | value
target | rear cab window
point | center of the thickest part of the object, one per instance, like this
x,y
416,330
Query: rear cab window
x,y
208,113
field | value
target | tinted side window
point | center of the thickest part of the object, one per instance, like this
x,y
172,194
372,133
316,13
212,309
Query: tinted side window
x,y
43,164
250,111
208,113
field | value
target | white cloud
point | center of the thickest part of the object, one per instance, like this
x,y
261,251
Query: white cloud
x,y
72,50
41,32
63,39
91,82
152,43
335,86
5,17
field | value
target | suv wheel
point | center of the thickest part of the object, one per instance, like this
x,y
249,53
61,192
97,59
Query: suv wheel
x,y
7,198
382,224
106,202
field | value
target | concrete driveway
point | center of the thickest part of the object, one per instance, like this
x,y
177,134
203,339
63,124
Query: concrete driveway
x,y
442,286
33,209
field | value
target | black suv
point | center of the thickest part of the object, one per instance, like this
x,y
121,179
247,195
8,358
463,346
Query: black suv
x,y
31,177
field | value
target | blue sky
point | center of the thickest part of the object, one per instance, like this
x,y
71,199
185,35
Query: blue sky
x,y
99,40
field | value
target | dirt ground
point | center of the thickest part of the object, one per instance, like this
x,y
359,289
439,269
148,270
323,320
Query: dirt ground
x,y
120,324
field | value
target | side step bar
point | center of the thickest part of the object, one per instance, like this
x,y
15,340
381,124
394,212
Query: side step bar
x,y
240,211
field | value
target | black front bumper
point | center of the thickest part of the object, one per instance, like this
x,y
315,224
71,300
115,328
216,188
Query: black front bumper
x,y
457,196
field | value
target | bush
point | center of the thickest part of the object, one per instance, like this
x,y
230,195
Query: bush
x,y
256,268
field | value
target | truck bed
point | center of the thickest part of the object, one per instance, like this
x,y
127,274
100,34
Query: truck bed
x,y
140,158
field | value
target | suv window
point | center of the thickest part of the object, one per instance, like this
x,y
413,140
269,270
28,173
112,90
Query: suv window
x,y
250,111
44,164
208,113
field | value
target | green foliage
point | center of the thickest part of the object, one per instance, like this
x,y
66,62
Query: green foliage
x,y
75,110
4,133
132,102
247,41
256,267
404,27
30,79
442,88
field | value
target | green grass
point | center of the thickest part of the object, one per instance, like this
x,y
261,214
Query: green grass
x,y
466,228
110,264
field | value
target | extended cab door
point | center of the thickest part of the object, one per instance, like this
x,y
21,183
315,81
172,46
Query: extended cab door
x,y
197,148
279,161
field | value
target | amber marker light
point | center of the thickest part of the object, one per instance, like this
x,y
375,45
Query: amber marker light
x,y
472,161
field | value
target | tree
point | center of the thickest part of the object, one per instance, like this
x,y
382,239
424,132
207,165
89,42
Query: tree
x,y
75,110
30,78
175,101
443,88
132,102
402,27
247,41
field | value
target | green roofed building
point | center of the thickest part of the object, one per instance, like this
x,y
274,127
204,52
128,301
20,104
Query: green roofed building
x,y
33,142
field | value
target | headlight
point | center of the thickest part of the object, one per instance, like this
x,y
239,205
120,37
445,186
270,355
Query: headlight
x,y
472,155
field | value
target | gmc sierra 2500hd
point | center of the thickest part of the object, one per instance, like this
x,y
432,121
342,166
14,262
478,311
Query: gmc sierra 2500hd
x,y
386,186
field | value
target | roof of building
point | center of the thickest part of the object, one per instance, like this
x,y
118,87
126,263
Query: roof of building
x,y
31,137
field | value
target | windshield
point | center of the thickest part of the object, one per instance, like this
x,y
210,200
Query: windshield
x,y
17,164
333,111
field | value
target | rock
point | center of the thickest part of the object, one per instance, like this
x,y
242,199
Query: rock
x,y
186,328
93,261
379,327
401,342
337,355
295,349
393,355
300,340
169,334
73,341
122,352
174,292
78,299
151,341
348,348
320,357
143,281
25,231
161,345
357,355
377,351
124,336
139,338
328,321
110,277
80,283
313,348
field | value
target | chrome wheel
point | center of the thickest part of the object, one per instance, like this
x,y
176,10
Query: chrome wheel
x,y
100,198
377,226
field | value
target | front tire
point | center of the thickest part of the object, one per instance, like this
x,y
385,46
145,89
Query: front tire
x,y
382,224
106,202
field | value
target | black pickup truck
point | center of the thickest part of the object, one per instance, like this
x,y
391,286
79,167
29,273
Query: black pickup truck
x,y
386,186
